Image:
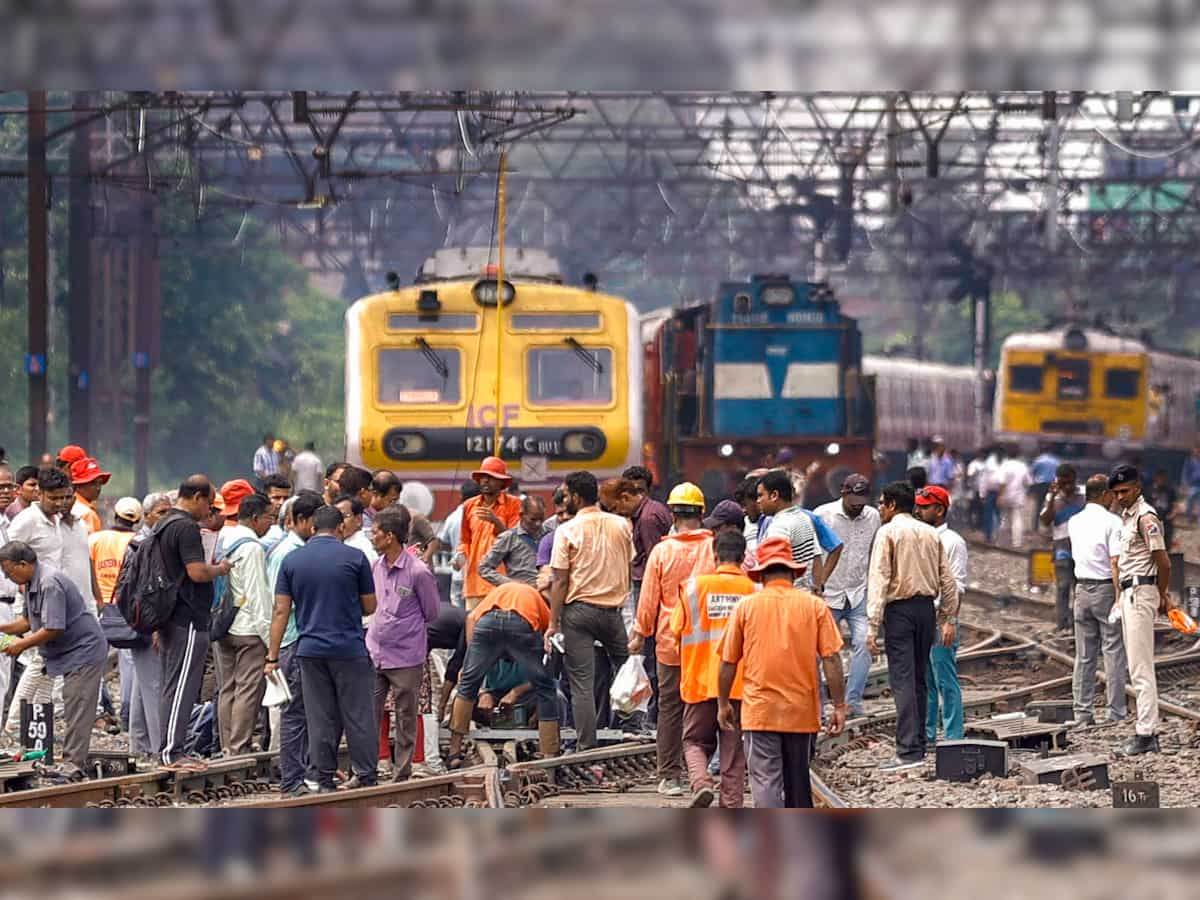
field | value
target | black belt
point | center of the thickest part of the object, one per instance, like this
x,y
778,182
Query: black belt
x,y
1138,580
1093,581
915,597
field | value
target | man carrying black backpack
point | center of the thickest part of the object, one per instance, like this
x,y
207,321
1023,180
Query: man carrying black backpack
x,y
183,641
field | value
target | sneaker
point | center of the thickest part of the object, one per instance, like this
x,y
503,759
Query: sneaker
x,y
669,787
896,764
703,798
428,769
1081,722
301,790
190,764
354,782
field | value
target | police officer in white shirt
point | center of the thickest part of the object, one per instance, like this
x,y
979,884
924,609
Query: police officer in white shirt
x,y
1095,536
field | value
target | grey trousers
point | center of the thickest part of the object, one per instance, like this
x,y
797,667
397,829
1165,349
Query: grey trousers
x,y
339,695
582,625
79,711
404,684
183,654
1064,586
242,686
1093,636
145,697
778,764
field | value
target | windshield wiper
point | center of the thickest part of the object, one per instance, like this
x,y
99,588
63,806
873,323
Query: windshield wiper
x,y
594,364
439,364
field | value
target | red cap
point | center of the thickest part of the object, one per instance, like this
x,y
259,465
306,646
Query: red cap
x,y
87,470
774,551
493,466
72,454
233,493
928,496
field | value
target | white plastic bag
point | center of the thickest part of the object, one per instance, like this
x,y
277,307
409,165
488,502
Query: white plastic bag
x,y
631,688
277,693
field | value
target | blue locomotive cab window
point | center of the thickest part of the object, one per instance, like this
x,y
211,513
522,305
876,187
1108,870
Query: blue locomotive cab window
x,y
581,376
1122,384
1025,379
427,375
1074,376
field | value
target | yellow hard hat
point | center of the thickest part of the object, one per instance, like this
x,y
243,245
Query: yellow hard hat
x,y
686,494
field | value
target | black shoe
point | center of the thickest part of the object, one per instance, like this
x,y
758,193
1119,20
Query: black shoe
x,y
1141,744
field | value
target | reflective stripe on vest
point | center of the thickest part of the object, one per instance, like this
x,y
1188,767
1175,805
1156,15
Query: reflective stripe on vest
x,y
696,635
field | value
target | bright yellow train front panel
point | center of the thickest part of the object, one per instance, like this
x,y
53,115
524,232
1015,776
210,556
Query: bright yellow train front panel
x,y
1073,395
420,382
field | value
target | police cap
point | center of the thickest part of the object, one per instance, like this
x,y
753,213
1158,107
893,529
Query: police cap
x,y
1123,474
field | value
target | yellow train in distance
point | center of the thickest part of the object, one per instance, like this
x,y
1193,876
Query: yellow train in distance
x,y
1094,394
421,372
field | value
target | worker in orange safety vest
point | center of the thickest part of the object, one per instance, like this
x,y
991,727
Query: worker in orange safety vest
x,y
698,621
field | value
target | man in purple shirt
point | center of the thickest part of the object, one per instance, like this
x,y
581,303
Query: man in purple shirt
x,y
407,600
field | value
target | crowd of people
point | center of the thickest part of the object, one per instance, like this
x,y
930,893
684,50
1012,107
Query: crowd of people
x,y
319,580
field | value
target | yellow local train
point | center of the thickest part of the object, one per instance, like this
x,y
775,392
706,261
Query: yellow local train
x,y
421,363
1094,394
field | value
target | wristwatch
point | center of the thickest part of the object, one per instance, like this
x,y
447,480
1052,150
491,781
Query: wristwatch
x,y
953,620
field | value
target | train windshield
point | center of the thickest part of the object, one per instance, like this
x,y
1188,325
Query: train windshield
x,y
424,375
1074,376
1025,379
1122,384
570,376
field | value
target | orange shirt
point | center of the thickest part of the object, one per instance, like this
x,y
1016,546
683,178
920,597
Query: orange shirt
x,y
107,549
86,513
674,560
777,635
524,600
699,621
477,536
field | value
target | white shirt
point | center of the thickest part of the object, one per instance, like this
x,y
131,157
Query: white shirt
x,y
307,472
1014,481
1095,538
847,585
449,537
956,555
360,541
59,545
248,581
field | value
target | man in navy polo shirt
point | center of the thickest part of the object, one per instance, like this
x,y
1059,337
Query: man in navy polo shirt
x,y
331,587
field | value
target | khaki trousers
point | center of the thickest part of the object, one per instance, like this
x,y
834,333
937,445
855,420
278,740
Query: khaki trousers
x,y
1139,607
243,683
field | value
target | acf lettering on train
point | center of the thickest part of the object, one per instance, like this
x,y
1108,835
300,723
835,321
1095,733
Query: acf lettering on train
x,y
485,416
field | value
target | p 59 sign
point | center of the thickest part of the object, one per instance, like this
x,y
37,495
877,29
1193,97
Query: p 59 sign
x,y
37,728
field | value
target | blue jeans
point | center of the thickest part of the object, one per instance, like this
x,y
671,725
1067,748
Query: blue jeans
x,y
860,659
1193,500
503,632
943,683
991,515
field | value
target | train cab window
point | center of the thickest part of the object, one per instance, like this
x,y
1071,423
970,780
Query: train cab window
x,y
1122,384
570,376
1025,379
425,375
1073,379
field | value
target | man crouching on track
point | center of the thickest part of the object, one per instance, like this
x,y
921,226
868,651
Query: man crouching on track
x,y
510,621
1145,572
777,635
70,642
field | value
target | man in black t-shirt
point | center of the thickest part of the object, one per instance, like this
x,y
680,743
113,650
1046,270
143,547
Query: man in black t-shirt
x,y
1161,494
183,642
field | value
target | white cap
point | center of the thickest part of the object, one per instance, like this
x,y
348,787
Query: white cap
x,y
129,509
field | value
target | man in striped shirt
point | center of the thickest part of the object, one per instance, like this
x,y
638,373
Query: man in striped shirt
x,y
808,535
266,460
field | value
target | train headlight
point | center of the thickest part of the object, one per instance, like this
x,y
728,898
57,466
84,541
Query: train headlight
x,y
583,444
725,450
398,444
833,449
484,292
